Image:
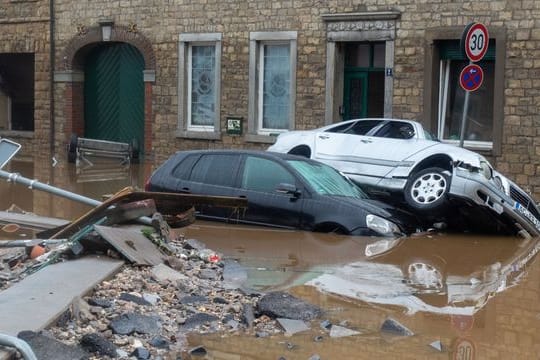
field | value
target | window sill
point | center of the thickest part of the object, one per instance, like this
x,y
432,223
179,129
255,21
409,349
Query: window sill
x,y
266,139
203,135
17,134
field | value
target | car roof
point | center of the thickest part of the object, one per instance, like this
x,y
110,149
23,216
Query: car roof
x,y
262,153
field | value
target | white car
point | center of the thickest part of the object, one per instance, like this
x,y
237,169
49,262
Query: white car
x,y
399,156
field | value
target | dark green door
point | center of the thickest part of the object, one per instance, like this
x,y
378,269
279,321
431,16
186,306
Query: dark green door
x,y
355,95
363,93
114,94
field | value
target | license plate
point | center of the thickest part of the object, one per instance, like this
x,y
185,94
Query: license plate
x,y
523,210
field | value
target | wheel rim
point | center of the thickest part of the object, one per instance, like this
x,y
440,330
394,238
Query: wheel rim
x,y
425,276
428,188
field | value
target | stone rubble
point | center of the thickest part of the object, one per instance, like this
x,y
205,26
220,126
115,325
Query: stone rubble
x,y
147,312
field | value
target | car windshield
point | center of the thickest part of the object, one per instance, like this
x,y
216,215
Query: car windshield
x,y
325,180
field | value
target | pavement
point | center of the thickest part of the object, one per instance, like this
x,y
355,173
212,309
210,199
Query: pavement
x,y
39,299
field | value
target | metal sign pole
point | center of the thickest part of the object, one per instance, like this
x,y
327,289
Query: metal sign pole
x,y
464,118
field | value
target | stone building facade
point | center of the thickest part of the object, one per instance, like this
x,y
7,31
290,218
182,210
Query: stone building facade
x,y
270,67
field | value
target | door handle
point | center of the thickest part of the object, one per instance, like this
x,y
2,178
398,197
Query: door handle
x,y
324,137
186,190
366,141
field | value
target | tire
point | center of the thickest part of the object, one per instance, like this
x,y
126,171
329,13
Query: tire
x,y
426,190
72,148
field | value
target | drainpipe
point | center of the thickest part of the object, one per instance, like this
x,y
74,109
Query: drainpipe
x,y
51,74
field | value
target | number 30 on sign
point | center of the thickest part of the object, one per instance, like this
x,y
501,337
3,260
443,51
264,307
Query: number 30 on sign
x,y
475,41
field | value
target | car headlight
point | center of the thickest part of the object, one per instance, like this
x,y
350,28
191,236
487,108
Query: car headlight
x,y
381,225
486,170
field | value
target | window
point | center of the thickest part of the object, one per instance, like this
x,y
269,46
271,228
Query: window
x,y
264,175
479,116
272,83
215,169
199,84
17,92
444,98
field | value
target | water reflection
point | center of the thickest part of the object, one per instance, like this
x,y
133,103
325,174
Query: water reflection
x,y
445,274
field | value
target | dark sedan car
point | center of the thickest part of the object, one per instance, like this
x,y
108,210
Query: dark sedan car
x,y
282,190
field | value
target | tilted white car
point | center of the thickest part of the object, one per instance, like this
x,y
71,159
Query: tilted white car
x,y
399,156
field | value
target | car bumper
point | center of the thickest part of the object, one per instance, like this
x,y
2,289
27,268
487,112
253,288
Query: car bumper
x,y
473,186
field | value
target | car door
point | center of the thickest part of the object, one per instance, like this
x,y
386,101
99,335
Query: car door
x,y
344,147
215,175
259,179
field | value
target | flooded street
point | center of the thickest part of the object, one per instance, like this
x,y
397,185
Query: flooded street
x,y
478,296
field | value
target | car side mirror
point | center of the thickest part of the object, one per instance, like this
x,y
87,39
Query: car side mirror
x,y
288,189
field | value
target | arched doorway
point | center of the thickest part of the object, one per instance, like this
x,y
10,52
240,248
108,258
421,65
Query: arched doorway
x,y
114,94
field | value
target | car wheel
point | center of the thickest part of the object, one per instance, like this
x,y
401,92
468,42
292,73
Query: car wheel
x,y
426,190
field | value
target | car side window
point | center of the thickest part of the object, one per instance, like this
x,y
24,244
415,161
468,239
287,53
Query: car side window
x,y
264,175
215,169
362,127
396,130
183,168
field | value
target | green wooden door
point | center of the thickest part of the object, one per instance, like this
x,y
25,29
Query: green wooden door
x,y
355,95
114,94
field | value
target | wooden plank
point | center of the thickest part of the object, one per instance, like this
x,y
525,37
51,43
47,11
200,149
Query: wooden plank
x,y
130,242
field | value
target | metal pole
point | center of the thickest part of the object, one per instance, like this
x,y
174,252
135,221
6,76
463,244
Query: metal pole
x,y
464,118
35,184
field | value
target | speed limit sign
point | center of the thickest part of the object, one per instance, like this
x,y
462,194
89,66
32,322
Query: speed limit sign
x,y
475,41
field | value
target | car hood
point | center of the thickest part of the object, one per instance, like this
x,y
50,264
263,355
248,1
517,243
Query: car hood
x,y
404,219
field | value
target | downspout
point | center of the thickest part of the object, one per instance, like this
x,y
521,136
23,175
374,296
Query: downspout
x,y
51,75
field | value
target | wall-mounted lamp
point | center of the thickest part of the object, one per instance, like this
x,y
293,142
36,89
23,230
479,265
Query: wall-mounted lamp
x,y
106,29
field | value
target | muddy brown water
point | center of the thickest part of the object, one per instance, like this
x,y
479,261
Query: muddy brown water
x,y
477,296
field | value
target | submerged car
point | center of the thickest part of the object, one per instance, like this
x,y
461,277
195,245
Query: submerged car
x,y
282,190
390,157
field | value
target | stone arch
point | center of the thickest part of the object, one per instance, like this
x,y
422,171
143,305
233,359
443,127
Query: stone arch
x,y
120,33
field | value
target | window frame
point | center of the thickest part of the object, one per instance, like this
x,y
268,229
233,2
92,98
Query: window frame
x,y
432,84
184,127
256,42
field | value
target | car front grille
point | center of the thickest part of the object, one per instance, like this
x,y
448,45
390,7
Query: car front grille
x,y
524,200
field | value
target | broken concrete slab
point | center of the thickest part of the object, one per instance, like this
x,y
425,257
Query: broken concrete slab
x,y
162,272
437,345
337,331
394,327
131,243
52,289
291,326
